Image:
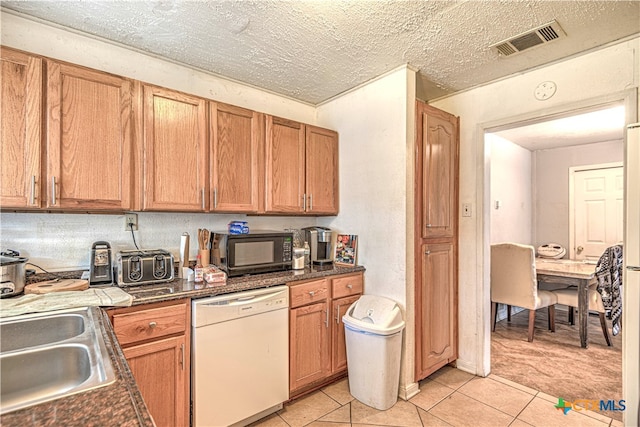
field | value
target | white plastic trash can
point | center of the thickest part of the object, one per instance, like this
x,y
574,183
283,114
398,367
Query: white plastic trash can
x,y
373,331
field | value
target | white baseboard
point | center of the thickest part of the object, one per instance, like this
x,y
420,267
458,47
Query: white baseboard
x,y
466,366
408,391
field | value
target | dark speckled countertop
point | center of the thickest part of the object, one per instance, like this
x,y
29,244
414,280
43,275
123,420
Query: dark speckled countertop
x,y
180,288
121,403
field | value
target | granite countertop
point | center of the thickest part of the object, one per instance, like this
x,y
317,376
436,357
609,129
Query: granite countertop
x,y
180,288
119,403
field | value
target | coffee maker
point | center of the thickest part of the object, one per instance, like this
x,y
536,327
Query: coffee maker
x,y
320,243
101,270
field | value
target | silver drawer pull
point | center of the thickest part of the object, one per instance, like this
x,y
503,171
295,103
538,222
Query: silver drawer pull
x,y
427,252
53,190
312,293
152,325
350,286
33,190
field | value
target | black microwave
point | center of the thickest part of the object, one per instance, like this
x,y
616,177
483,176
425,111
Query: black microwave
x,y
252,253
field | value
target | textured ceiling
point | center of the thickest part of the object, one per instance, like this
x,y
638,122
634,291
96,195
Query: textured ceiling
x,y
314,50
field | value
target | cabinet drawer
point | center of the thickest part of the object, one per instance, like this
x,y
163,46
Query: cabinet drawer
x,y
309,292
149,324
347,285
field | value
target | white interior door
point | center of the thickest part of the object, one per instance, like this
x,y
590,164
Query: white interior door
x,y
598,209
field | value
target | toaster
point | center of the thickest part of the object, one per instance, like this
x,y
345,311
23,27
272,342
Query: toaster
x,y
144,267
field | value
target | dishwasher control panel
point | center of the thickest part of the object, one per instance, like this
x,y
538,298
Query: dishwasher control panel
x,y
235,305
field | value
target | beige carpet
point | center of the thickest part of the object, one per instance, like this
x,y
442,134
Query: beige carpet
x,y
554,363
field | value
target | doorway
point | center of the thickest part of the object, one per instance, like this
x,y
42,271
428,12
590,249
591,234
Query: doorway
x,y
487,203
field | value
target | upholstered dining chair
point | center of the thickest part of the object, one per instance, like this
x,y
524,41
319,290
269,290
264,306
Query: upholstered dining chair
x,y
514,282
569,297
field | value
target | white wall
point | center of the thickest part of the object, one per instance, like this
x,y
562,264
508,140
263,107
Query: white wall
x,y
552,186
375,123
63,241
511,186
600,74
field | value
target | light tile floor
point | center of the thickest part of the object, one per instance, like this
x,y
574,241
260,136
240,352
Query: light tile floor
x,y
449,397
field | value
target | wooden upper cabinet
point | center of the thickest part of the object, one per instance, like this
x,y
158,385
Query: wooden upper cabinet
x,y
285,166
439,170
237,156
176,150
321,158
89,139
20,127
301,168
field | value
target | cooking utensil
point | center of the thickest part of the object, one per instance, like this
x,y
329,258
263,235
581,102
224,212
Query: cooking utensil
x,y
57,285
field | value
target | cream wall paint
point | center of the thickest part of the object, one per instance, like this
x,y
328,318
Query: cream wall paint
x,y
376,123
552,186
511,185
580,80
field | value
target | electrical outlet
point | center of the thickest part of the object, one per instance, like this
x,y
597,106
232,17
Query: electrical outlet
x,y
466,209
130,218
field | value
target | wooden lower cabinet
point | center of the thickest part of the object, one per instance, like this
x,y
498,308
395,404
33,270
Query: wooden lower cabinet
x,y
317,342
309,346
437,340
338,346
155,340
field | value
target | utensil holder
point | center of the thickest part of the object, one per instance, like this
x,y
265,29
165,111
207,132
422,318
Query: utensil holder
x,y
205,257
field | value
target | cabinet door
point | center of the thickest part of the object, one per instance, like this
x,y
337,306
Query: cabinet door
x,y
89,142
437,316
161,371
20,129
284,166
236,153
338,347
437,170
309,359
175,151
321,170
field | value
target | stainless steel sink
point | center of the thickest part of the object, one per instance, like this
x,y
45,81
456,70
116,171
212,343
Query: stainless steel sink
x,y
48,356
40,330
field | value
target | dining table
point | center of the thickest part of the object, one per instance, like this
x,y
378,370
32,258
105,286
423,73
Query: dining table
x,y
572,273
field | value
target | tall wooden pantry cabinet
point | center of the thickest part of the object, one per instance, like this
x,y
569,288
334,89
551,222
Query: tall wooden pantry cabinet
x,y
436,239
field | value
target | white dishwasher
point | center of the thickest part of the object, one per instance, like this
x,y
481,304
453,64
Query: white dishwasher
x,y
239,356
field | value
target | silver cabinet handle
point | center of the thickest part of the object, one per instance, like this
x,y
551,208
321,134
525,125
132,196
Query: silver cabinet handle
x,y
312,293
153,325
203,198
326,321
33,190
338,314
53,190
427,252
633,268
580,248
215,197
304,202
310,202
349,286
428,225
182,356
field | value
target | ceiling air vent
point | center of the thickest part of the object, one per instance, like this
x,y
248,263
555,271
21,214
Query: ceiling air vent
x,y
538,36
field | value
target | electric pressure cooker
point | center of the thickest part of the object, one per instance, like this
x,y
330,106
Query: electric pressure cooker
x,y
12,273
